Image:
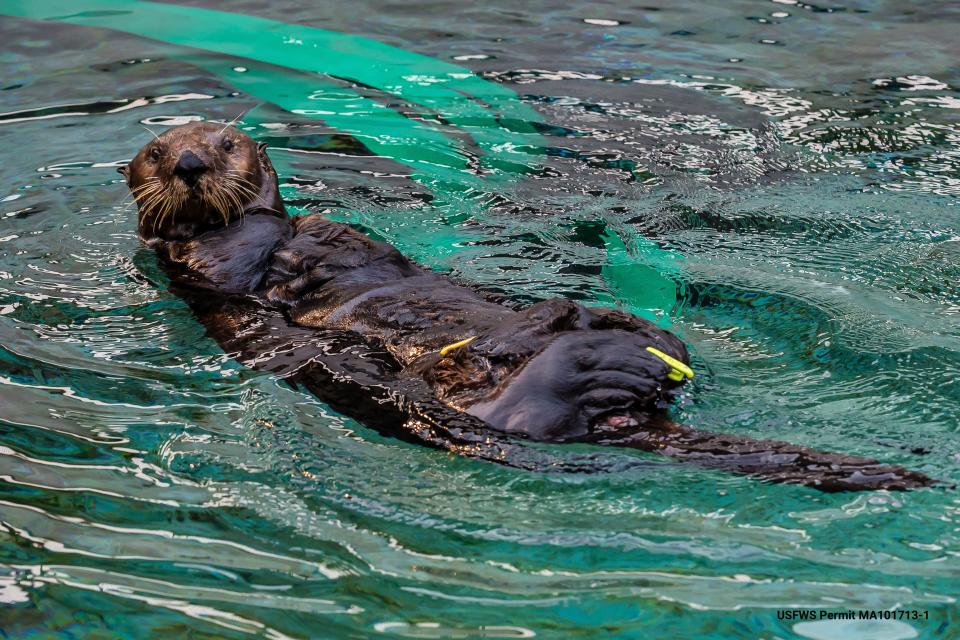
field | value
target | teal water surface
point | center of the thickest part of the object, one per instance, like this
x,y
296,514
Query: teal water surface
x,y
789,171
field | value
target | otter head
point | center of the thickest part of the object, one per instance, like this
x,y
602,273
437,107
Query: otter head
x,y
197,177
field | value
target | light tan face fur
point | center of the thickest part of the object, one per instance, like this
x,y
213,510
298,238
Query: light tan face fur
x,y
195,177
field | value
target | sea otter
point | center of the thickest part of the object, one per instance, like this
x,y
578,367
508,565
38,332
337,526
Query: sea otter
x,y
412,352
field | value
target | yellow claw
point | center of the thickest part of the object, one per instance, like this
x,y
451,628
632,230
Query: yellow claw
x,y
456,345
678,370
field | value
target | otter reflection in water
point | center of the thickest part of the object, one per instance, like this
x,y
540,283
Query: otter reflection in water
x,y
412,353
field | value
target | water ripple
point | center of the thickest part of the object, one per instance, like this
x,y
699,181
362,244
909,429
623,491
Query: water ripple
x,y
800,160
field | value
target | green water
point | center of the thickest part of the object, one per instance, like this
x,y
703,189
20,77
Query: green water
x,y
780,179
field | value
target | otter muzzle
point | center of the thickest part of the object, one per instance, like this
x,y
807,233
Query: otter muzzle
x,y
190,167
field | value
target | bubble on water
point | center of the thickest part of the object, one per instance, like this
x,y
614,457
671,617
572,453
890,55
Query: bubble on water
x,y
171,121
600,22
10,592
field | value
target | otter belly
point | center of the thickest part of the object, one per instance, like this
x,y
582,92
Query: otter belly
x,y
411,316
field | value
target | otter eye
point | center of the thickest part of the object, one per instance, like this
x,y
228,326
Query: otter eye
x,y
155,153
228,145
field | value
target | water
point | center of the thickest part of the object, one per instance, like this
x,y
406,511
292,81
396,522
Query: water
x,y
796,169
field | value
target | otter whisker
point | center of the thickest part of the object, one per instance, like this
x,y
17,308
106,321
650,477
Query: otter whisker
x,y
174,207
216,199
157,211
143,187
237,201
156,220
223,203
243,189
152,210
233,181
239,115
141,193
246,185
155,136
133,195
146,201
224,209
167,207
149,191
144,196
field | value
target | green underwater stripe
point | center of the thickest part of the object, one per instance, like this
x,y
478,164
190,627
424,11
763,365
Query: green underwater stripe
x,y
381,130
438,90
641,275
435,85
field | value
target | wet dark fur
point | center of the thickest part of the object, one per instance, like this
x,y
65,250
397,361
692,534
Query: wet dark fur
x,y
361,326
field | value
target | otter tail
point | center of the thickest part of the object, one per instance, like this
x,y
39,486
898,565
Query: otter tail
x,y
771,460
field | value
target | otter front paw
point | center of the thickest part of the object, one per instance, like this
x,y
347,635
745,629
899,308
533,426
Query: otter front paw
x,y
286,293
576,378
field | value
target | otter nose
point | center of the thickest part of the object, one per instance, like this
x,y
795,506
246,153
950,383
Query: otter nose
x,y
189,167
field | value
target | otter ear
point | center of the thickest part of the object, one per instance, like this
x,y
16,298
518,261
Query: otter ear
x,y
125,172
263,158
